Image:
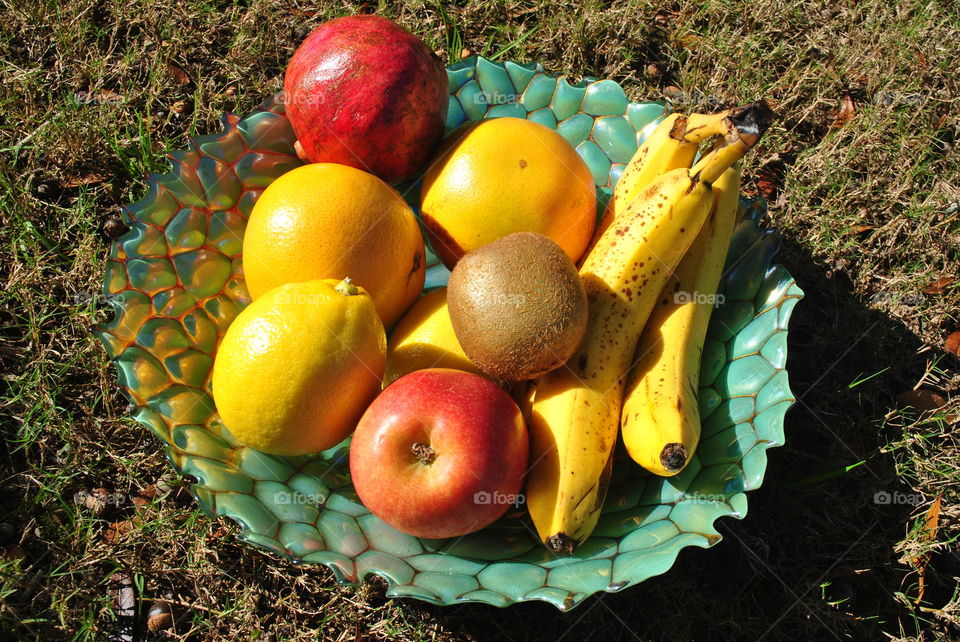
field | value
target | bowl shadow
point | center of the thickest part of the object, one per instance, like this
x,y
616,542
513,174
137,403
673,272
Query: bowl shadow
x,y
819,530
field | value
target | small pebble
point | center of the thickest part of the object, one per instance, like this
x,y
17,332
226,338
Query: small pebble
x,y
114,227
48,190
159,616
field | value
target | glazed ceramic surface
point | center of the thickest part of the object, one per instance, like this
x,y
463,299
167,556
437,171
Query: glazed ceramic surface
x,y
176,283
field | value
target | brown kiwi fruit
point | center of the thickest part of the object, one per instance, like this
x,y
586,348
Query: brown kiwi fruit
x,y
517,306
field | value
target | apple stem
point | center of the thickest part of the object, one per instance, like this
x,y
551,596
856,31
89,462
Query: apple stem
x,y
425,454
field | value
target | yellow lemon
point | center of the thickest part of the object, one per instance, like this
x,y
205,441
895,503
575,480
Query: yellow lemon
x,y
330,221
424,338
503,175
297,368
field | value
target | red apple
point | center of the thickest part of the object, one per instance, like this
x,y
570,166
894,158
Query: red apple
x,y
440,453
365,92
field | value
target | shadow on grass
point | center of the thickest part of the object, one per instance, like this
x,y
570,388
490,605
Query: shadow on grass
x,y
814,558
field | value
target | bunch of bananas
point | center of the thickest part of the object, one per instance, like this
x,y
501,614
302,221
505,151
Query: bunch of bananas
x,y
657,255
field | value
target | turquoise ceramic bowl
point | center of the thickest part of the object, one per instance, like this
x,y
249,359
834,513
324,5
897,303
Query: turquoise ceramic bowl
x,y
176,284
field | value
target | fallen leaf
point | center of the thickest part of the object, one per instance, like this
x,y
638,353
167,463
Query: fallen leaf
x,y
929,535
846,113
770,180
465,53
689,41
100,97
932,521
513,13
938,286
952,344
85,179
859,79
179,76
922,400
860,229
117,530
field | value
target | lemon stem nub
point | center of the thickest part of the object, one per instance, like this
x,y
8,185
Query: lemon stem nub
x,y
347,288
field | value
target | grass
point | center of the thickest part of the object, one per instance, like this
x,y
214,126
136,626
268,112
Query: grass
x,y
96,92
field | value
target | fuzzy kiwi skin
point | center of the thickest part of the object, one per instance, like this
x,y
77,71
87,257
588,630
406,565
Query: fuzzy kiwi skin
x,y
518,306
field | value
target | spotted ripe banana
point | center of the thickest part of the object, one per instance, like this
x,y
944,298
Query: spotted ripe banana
x,y
660,420
672,144
576,408
575,412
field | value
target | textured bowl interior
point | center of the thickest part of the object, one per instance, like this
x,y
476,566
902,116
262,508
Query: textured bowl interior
x,y
176,283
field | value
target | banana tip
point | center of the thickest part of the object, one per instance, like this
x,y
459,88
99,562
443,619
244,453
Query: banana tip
x,y
560,543
674,457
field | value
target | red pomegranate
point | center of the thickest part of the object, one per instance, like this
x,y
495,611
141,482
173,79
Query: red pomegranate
x,y
365,92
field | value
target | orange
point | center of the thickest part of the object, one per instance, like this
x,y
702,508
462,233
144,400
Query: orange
x,y
330,221
503,175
